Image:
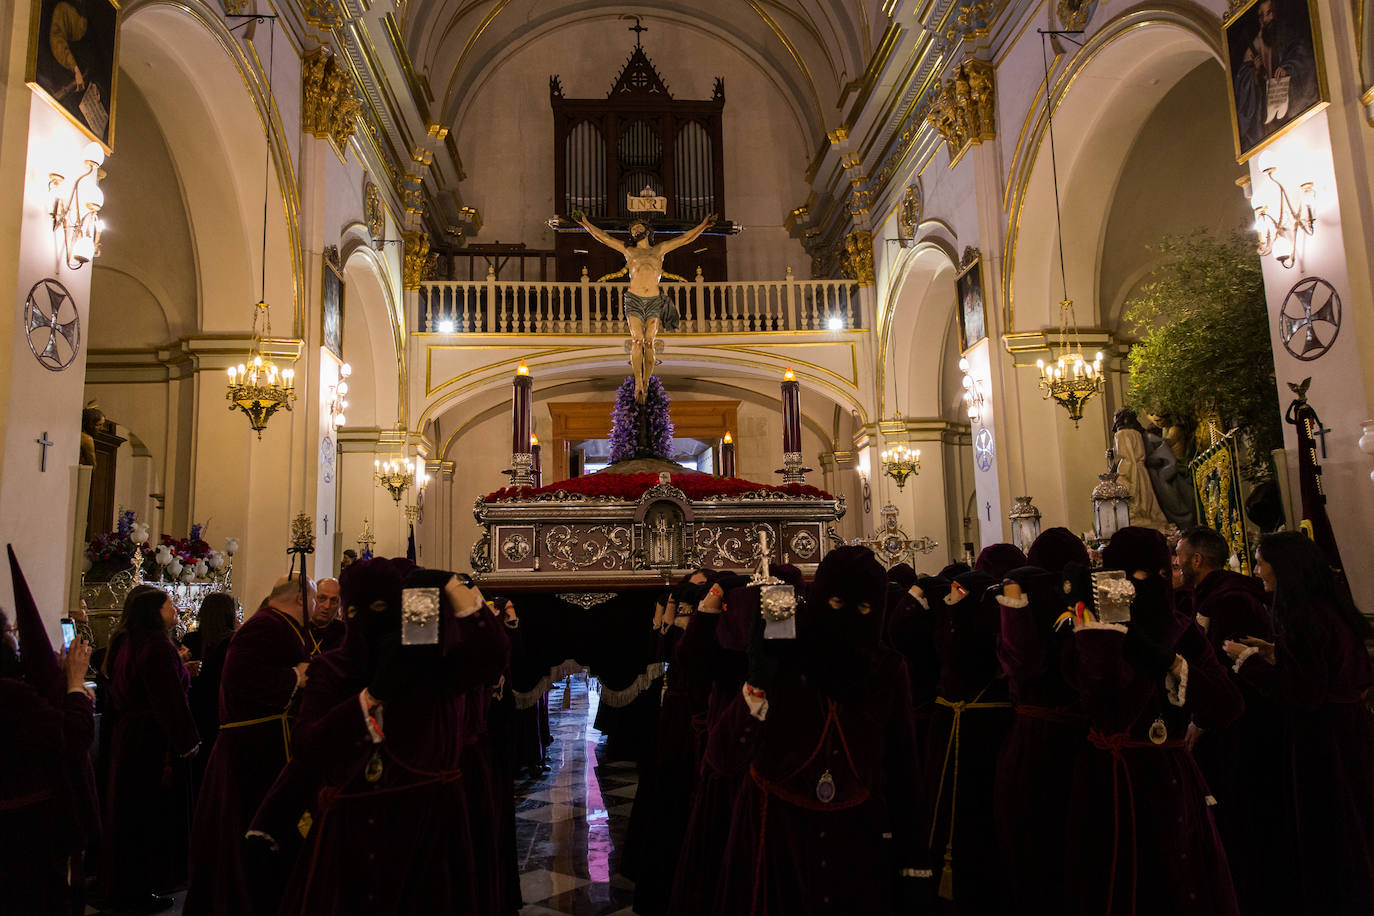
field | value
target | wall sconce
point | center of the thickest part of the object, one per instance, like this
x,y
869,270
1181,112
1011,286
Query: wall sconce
x,y
973,392
337,403
1279,222
76,206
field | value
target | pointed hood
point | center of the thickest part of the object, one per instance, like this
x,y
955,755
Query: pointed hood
x,y
999,559
38,662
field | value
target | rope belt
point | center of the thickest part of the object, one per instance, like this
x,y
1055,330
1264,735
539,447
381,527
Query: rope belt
x,y
1059,715
958,707
281,717
1114,745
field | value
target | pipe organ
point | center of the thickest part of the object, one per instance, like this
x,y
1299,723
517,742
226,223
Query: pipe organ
x,y
637,141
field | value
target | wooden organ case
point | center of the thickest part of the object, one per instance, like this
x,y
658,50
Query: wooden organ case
x,y
638,136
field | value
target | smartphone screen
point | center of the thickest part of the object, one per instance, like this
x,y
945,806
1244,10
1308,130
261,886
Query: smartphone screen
x,y
68,632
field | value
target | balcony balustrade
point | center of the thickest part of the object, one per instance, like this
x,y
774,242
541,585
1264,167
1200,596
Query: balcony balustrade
x,y
494,306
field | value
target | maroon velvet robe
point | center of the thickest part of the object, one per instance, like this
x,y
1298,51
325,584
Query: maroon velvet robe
x,y
717,787
1328,757
147,800
42,806
788,852
1031,792
259,682
1243,762
403,843
665,803
1141,838
911,631
960,768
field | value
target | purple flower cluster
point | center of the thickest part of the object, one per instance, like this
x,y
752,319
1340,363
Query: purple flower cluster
x,y
125,525
625,421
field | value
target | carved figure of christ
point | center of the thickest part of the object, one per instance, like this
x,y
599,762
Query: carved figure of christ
x,y
644,301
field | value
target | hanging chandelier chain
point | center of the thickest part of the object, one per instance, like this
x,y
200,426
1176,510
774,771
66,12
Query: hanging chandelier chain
x,y
269,102
1054,163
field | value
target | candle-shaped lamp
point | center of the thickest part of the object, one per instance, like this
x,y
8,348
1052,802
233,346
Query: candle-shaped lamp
x,y
792,470
521,459
727,456
536,466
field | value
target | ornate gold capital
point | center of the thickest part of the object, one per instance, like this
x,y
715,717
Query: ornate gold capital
x,y
858,257
329,103
416,258
964,111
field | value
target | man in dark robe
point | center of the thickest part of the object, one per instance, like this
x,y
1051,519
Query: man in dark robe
x,y
911,631
48,809
327,628
1242,763
971,719
384,729
1141,837
822,728
263,669
1047,734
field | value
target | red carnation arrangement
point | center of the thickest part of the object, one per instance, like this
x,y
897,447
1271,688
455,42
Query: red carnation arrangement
x,y
630,487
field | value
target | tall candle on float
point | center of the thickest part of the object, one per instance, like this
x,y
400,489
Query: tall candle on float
x,y
536,467
791,413
727,456
522,386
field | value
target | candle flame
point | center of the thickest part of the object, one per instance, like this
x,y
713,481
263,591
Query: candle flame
x,y
534,440
789,375
523,370
729,439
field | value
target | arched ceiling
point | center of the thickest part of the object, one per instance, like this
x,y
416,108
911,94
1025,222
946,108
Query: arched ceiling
x,y
815,48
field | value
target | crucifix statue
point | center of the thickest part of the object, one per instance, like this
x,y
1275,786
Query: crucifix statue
x,y
646,307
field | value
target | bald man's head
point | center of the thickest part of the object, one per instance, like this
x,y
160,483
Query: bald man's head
x,y
286,596
326,602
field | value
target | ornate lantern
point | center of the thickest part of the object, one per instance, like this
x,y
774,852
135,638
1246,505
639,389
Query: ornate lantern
x,y
1111,501
1025,523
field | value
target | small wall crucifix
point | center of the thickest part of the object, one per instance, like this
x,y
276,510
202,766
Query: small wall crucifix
x,y
43,441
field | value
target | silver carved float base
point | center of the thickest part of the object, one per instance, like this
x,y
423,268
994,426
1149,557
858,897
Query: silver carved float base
x,y
573,542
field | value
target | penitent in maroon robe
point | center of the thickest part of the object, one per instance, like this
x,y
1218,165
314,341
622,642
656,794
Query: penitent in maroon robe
x,y
1046,737
148,798
788,852
1319,682
1141,838
259,682
39,811
400,843
1244,761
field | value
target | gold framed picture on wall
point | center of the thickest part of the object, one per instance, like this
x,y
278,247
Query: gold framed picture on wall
x,y
972,316
1274,68
332,303
73,62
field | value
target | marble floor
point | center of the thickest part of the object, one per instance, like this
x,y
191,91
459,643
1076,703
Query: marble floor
x,y
571,821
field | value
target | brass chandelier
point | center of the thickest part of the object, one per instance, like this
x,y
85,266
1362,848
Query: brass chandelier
x,y
1068,378
900,462
256,387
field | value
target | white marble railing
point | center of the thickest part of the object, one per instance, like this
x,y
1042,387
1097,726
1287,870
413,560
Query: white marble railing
x,y
532,307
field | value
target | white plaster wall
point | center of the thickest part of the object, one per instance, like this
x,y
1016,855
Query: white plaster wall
x,y
1338,376
38,508
505,135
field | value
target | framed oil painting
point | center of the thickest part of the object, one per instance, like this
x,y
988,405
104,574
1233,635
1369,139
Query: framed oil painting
x,y
972,318
73,60
331,319
1275,70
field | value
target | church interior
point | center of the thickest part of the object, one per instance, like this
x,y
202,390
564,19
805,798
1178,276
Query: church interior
x,y
577,298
